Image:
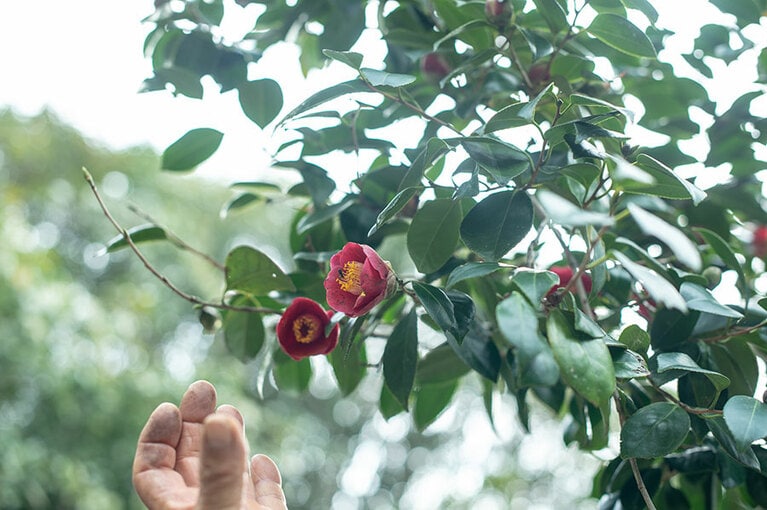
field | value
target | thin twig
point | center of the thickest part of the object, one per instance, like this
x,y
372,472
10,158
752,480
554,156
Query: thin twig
x,y
176,240
164,279
632,461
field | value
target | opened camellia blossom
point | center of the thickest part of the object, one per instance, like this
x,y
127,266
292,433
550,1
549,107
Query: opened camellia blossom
x,y
358,280
301,330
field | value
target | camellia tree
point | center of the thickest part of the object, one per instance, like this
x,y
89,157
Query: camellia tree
x,y
532,241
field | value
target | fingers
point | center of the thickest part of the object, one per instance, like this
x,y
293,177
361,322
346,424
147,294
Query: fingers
x,y
198,402
153,466
267,483
222,464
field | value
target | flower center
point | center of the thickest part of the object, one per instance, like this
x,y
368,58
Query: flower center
x,y
349,278
306,328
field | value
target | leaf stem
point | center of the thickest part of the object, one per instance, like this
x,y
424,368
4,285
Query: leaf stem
x,y
148,265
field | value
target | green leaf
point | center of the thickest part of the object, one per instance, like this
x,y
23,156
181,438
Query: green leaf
x,y
261,100
190,150
383,79
325,95
517,114
619,33
440,365
533,359
430,401
388,404
564,212
400,358
350,58
438,306
349,365
471,270
658,287
292,375
497,224
322,215
433,233
251,272
722,249
504,161
635,338
654,431
586,366
685,250
534,284
138,234
396,204
628,364
667,366
554,15
435,148
316,179
665,183
746,418
700,298
243,334
240,202
645,7
722,433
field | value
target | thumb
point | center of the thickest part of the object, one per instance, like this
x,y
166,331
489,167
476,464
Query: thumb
x,y
222,462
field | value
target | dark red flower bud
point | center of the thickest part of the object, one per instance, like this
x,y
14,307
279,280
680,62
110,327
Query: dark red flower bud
x,y
498,12
434,66
759,242
301,330
565,274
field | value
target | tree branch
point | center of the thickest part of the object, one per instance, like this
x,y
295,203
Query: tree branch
x,y
164,279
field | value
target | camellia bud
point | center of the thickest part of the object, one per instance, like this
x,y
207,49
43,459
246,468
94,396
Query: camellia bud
x,y
498,12
434,66
713,276
759,242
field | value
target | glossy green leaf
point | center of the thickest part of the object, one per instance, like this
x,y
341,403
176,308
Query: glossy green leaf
x,y
240,201
350,58
517,114
388,404
138,234
629,364
190,150
440,365
400,358
433,234
586,366
645,7
292,375
722,249
325,95
635,338
533,359
554,14
348,365
313,219
431,400
654,431
723,435
746,418
685,250
383,79
665,183
658,287
667,366
619,33
251,272
471,270
700,298
737,360
261,100
497,224
534,284
396,204
566,213
435,148
437,305
504,161
243,334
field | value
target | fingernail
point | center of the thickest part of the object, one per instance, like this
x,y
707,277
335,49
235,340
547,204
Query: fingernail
x,y
217,434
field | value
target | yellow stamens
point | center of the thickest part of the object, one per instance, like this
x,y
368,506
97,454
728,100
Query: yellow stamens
x,y
306,328
349,278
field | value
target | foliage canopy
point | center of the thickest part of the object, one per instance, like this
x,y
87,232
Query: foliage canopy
x,y
522,155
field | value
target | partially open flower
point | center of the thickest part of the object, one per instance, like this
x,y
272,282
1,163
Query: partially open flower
x,y
565,274
301,330
358,280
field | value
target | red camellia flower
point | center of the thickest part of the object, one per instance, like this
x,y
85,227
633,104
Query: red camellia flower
x,y
301,330
759,241
565,274
358,280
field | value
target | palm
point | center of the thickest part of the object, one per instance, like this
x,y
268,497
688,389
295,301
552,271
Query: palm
x,y
180,465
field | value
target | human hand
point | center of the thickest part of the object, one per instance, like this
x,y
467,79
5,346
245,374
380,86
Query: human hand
x,y
194,457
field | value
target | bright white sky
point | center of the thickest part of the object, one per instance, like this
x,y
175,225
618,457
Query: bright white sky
x,y
83,59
